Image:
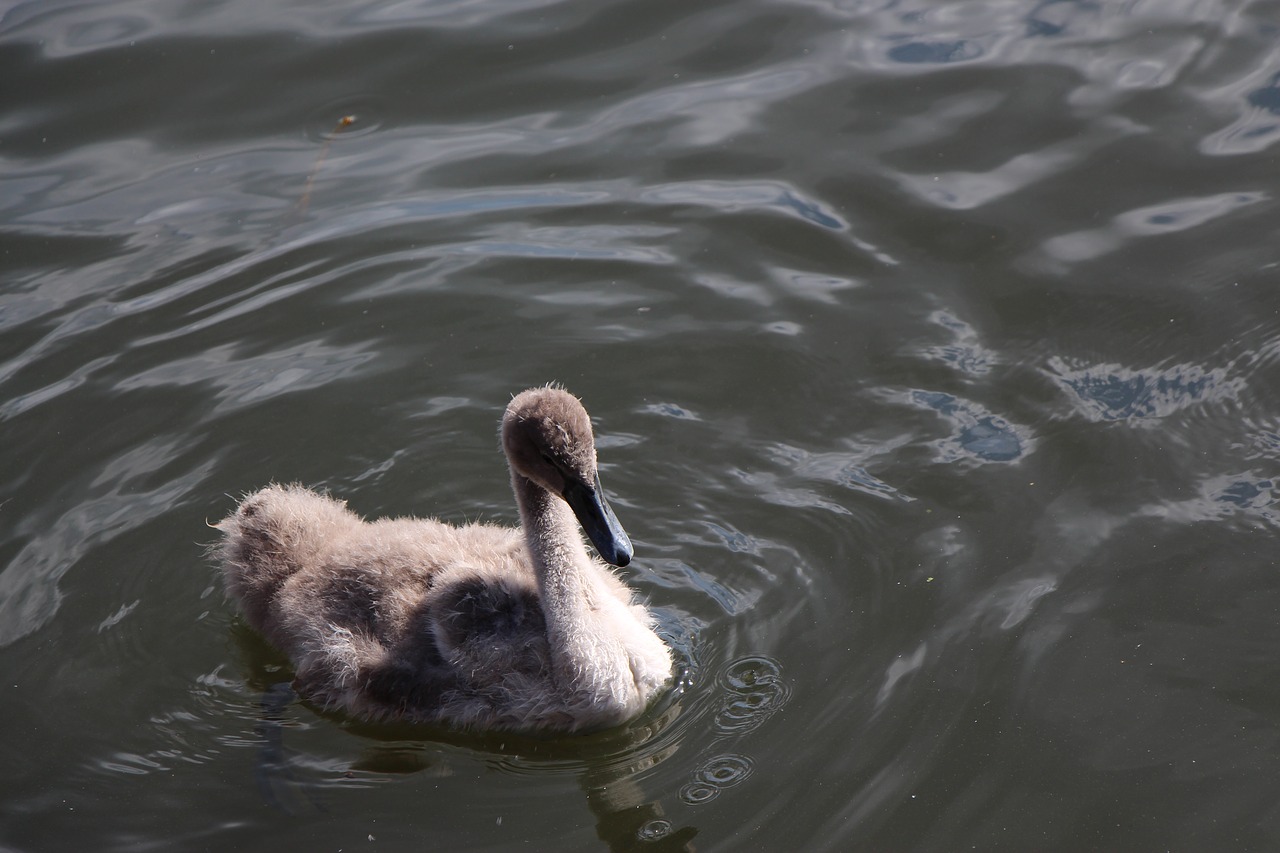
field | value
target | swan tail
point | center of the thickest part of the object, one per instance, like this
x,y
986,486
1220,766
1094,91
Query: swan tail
x,y
274,533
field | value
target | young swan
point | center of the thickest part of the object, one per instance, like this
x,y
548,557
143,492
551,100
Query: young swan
x,y
478,626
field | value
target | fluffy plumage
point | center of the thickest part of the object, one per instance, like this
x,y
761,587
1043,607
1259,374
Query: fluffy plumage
x,y
477,626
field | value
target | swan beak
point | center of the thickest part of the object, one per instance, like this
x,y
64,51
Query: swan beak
x,y
597,518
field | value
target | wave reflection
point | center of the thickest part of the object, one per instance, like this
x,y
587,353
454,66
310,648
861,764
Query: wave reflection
x,y
1110,392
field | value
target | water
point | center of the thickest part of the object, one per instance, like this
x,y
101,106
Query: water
x,y
933,348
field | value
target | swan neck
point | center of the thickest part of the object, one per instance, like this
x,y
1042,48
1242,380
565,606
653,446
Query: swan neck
x,y
586,621
555,545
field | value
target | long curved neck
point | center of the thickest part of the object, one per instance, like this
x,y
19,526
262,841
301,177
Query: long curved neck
x,y
559,558
587,624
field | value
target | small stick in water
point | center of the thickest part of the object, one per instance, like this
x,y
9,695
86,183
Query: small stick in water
x,y
343,124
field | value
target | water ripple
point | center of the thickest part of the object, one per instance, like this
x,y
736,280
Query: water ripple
x,y
244,379
745,195
1222,497
772,488
979,435
1150,220
1111,392
29,584
755,691
725,771
722,771
846,469
1256,96
698,793
654,830
966,190
669,410
965,353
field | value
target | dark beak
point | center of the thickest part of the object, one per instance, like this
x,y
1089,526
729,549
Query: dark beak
x,y
602,526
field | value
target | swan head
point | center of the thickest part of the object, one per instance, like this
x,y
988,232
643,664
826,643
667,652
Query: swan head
x,y
546,434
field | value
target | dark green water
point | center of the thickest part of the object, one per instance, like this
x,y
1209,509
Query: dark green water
x,y
934,348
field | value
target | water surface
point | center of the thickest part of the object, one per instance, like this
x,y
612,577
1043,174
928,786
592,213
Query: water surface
x,y
934,351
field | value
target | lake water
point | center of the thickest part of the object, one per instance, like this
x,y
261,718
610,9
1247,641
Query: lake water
x,y
933,348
